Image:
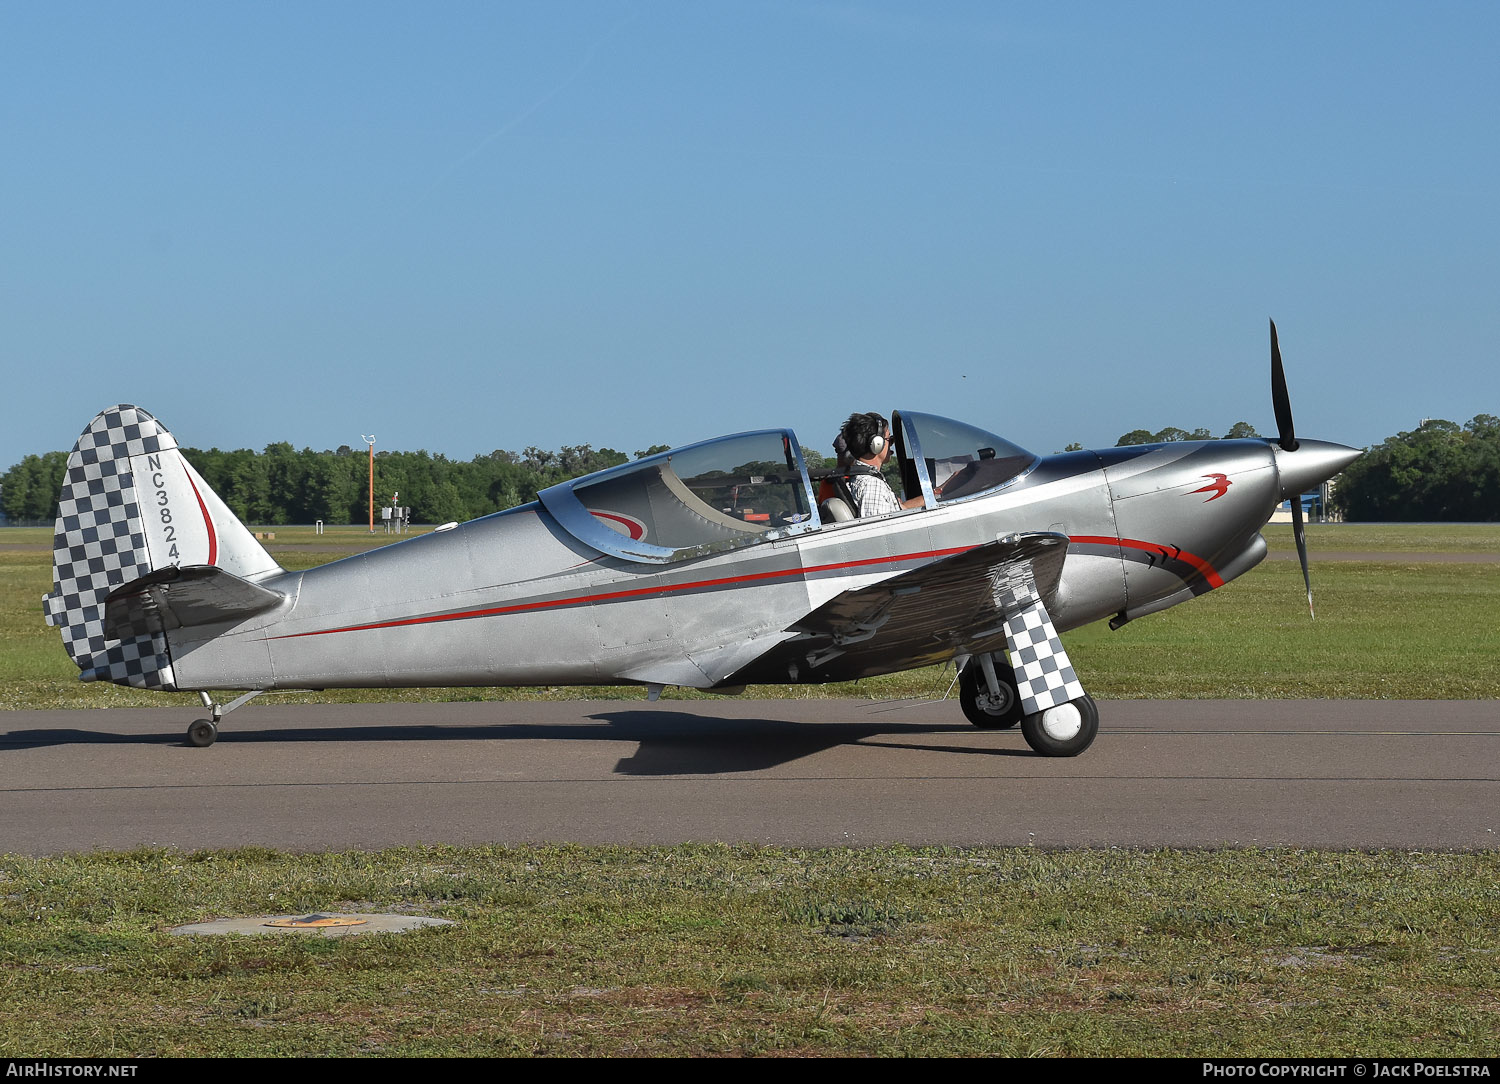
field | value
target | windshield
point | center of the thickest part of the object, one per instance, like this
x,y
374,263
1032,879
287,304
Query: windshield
x,y
955,460
719,494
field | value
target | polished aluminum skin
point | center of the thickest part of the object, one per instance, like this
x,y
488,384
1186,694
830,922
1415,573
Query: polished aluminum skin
x,y
662,572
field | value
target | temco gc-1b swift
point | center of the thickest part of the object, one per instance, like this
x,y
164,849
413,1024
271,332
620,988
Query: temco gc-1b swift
x,y
710,566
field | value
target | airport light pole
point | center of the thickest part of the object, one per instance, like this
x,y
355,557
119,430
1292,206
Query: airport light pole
x,y
370,440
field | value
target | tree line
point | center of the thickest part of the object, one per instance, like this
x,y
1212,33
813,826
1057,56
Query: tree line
x,y
1439,471
1237,431
282,485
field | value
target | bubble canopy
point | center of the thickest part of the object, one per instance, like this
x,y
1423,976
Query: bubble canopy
x,y
741,490
703,498
954,460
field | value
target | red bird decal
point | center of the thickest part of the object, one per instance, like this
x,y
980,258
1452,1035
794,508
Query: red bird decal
x,y
1219,487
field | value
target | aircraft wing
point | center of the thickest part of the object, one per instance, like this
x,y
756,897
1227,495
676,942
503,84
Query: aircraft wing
x,y
958,605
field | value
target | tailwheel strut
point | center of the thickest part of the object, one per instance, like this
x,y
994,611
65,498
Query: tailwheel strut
x,y
204,732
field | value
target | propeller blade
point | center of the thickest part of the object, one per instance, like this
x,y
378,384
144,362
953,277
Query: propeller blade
x,y
1280,401
1301,536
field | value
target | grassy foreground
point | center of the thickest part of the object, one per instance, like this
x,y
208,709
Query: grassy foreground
x,y
710,950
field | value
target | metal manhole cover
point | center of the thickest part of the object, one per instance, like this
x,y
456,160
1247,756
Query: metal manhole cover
x,y
316,922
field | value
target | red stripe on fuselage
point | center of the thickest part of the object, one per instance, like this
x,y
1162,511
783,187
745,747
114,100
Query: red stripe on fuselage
x,y
635,592
703,585
1209,573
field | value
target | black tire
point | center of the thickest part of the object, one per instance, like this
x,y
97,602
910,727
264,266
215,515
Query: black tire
x,y
1059,732
202,733
982,709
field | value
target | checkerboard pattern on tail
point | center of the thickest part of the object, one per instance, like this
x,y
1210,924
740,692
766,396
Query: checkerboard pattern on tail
x,y
1044,674
100,544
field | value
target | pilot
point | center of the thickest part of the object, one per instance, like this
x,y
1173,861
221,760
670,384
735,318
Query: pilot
x,y
867,439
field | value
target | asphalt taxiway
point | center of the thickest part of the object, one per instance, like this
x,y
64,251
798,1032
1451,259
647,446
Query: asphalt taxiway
x,y
1194,773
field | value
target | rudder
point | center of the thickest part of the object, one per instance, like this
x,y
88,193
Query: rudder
x,y
131,505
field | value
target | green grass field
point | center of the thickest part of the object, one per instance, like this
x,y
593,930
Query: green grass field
x,y
711,950
1389,537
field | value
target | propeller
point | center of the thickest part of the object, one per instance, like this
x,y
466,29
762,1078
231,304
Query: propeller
x,y
1280,401
1287,439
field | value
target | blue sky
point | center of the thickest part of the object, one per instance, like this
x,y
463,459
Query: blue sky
x,y
468,226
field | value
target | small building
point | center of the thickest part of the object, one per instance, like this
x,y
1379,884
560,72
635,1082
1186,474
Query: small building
x,y
1316,507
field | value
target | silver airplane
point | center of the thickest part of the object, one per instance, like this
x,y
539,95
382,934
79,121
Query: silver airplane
x,y
709,566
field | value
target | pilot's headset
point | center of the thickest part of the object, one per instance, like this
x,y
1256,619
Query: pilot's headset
x,y
876,443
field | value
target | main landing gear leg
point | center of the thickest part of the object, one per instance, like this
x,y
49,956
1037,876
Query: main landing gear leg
x,y
1058,719
987,693
204,732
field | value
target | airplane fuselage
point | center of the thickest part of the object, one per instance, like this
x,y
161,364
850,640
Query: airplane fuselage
x,y
513,598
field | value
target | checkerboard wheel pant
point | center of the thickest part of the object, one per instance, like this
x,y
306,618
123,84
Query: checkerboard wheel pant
x,y
1044,675
100,544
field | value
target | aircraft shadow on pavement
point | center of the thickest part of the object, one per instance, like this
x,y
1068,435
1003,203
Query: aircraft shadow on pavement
x,y
703,744
667,742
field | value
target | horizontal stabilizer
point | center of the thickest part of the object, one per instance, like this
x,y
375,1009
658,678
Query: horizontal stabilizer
x,y
174,597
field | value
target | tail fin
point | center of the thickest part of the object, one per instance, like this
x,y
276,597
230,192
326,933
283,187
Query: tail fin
x,y
130,506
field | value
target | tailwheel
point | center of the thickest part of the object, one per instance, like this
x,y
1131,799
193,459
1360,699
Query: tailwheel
x,y
1064,730
202,733
205,732
999,710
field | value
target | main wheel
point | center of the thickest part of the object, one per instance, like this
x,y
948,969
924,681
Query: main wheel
x,y
984,709
1064,730
202,733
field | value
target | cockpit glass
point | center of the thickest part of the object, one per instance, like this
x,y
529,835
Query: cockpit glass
x,y
715,495
963,460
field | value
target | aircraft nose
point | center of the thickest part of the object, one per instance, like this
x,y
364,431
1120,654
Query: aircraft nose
x,y
1314,461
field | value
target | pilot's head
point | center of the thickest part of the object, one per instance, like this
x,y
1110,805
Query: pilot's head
x,y
867,437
